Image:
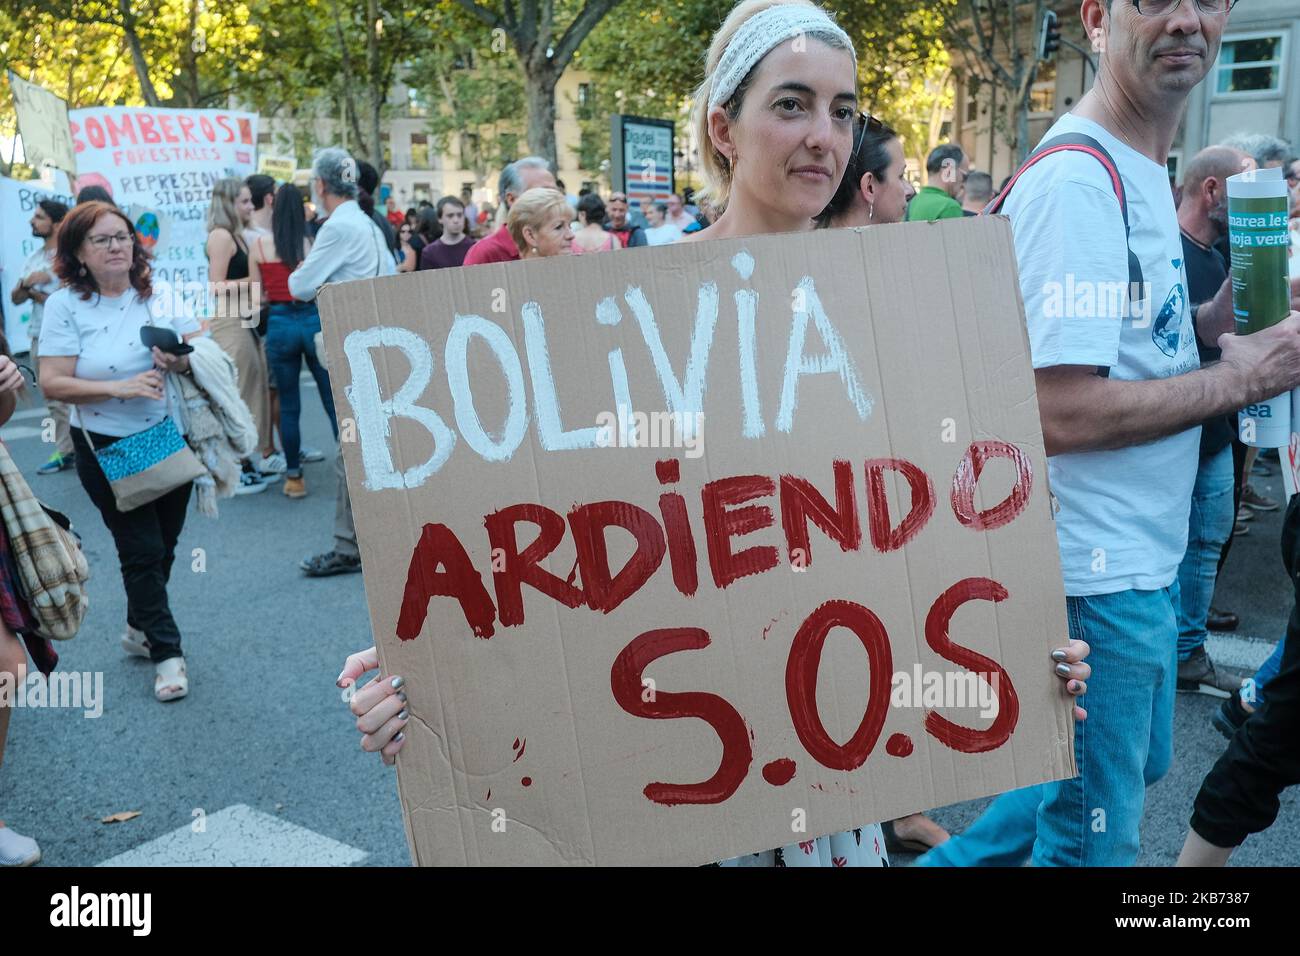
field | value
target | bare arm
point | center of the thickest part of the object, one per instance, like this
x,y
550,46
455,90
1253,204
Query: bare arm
x,y
59,381
20,293
1081,411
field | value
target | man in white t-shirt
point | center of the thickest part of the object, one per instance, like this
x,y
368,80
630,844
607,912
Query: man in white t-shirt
x,y
660,232
38,283
1121,396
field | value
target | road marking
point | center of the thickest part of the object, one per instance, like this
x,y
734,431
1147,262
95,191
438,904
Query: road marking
x,y
1239,653
241,836
17,432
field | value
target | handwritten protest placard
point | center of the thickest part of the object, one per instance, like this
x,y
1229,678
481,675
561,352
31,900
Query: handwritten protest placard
x,y
698,550
18,200
161,164
43,124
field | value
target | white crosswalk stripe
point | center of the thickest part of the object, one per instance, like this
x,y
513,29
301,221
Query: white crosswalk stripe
x,y
1240,653
240,836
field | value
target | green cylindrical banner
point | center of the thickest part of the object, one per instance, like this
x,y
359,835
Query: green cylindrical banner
x,y
1261,290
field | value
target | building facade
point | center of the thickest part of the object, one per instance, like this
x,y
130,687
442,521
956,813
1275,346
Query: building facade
x,y
417,170
1253,87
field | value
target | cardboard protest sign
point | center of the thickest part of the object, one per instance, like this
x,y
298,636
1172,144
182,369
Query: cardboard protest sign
x,y
698,550
43,124
279,168
161,164
18,199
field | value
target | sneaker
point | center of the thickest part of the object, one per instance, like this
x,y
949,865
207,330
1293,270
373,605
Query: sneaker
x,y
310,454
1198,675
251,483
1261,469
1240,529
1230,716
272,464
1217,620
1253,499
56,464
330,563
16,849
1244,513
295,487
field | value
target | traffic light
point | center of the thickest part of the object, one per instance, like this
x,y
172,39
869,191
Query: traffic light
x,y
1049,36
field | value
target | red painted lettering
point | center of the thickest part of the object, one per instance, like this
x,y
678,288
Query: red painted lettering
x,y
439,547
205,125
721,525
148,132
883,537
245,130
943,730
801,683
95,132
186,124
169,134
967,477
224,122
626,681
603,591
512,568
121,130
801,501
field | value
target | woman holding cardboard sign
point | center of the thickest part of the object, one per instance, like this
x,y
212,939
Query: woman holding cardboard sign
x,y
778,108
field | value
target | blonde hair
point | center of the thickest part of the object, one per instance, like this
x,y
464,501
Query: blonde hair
x,y
222,212
714,168
533,209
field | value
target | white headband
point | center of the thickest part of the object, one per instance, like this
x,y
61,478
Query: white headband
x,y
759,34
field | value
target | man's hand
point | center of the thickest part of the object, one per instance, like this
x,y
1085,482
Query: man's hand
x,y
37,278
1214,317
1267,362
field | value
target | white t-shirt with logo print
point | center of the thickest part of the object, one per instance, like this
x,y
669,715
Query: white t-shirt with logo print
x,y
1122,520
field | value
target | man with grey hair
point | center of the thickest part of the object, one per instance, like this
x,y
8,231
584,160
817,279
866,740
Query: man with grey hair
x,y
1268,152
348,246
531,172
979,190
946,168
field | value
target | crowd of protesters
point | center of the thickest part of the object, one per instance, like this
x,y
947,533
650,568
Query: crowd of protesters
x,y
1165,419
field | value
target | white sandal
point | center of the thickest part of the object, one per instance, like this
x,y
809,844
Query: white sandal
x,y
134,642
170,680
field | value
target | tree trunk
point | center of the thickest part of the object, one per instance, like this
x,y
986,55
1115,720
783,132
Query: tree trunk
x,y
350,118
374,83
137,53
190,56
539,95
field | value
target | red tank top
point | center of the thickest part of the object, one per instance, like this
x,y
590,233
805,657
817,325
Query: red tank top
x,y
275,277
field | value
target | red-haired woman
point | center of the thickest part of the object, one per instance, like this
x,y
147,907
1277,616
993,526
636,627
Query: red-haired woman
x,y
93,359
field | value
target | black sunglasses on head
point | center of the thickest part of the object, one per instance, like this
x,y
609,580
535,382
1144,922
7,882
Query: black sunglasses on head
x,y
865,122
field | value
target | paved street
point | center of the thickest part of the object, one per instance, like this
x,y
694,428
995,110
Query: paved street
x,y
262,758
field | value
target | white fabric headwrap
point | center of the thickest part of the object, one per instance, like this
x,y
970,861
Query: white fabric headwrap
x,y
759,34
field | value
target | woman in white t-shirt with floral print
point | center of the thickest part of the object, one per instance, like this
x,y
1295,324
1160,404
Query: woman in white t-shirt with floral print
x,y
93,359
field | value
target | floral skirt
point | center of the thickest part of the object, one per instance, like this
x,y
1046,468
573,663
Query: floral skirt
x,y
861,847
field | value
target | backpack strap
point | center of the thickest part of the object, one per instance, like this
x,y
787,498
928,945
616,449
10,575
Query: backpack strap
x,y
1080,143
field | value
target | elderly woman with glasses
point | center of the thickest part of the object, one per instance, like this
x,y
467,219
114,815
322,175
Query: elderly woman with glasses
x,y
92,357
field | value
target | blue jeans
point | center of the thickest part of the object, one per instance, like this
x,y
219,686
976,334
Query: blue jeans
x,y
1267,671
290,329
1124,746
1207,532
